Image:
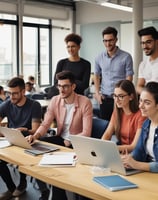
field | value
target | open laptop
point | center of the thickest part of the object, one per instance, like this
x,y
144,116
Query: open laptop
x,y
15,137
97,152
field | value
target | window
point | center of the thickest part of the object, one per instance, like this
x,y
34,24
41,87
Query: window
x,y
37,50
8,52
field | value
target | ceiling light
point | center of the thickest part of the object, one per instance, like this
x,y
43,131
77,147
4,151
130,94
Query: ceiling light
x,y
117,6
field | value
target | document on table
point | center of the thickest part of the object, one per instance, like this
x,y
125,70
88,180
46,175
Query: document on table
x,y
4,142
60,159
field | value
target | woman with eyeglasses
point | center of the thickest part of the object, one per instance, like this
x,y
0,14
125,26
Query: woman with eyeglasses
x,y
145,155
126,120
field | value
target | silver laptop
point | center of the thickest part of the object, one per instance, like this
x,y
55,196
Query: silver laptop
x,y
15,137
97,152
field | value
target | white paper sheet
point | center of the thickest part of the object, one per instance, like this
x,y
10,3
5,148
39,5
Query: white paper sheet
x,y
58,159
4,143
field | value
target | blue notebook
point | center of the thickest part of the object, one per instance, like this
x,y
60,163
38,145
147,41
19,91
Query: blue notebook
x,y
114,182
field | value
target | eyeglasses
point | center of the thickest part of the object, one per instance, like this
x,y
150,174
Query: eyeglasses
x,y
13,93
110,41
147,42
71,47
64,87
120,97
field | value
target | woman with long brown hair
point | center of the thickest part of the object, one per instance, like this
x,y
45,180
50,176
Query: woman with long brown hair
x,y
126,120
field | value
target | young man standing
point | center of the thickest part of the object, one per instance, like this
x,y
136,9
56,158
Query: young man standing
x,y
148,69
80,67
111,66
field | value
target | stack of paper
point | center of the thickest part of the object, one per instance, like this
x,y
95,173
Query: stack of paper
x,y
60,159
4,142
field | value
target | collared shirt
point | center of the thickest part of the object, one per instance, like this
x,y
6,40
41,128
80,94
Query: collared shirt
x,y
149,70
140,152
81,122
112,69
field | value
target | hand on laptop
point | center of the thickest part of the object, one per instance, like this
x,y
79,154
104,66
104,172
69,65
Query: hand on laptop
x,y
22,129
128,161
67,143
30,139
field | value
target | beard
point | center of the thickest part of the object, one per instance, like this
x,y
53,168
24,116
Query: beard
x,y
149,52
15,101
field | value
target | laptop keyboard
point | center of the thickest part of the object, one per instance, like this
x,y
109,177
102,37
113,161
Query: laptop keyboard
x,y
40,147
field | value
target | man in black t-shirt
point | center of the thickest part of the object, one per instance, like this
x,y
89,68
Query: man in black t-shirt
x,y
80,67
23,114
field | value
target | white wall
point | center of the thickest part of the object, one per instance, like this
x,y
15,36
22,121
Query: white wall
x,y
92,19
59,50
91,13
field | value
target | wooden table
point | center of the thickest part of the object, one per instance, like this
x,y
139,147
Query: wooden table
x,y
44,102
78,179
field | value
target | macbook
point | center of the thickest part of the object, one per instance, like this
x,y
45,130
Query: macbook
x,y
15,137
97,152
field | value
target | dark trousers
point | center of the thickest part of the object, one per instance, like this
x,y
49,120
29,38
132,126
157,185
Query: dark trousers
x,y
58,193
6,176
106,108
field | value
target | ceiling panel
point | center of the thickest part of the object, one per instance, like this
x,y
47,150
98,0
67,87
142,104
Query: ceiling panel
x,y
146,3
70,3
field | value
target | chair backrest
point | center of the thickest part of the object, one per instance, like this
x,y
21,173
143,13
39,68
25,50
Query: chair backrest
x,y
98,127
38,96
29,96
51,91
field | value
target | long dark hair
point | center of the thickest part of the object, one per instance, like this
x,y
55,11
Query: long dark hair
x,y
129,88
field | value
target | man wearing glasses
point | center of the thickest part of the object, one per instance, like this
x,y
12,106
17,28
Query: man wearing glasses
x,y
111,66
73,114
23,114
148,69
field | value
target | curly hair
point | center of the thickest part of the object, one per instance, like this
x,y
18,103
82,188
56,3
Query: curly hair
x,y
73,38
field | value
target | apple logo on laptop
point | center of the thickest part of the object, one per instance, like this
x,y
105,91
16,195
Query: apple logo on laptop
x,y
93,153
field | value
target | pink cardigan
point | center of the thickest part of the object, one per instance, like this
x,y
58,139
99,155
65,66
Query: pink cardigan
x,y
82,116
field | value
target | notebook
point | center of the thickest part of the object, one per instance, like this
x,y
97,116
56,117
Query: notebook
x,y
97,152
15,137
114,182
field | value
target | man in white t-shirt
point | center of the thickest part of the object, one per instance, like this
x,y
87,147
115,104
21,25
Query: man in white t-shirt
x,y
73,114
148,69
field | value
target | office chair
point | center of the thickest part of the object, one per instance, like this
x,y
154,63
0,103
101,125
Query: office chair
x,y
98,127
51,91
38,96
